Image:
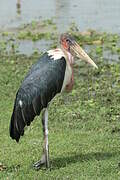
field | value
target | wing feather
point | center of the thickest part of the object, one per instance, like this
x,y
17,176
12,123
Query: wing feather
x,y
42,83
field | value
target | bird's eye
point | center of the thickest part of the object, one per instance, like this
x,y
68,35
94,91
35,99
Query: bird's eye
x,y
67,40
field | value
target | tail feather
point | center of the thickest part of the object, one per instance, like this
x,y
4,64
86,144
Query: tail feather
x,y
20,124
17,124
19,119
14,133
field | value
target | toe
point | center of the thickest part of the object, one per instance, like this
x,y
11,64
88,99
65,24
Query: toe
x,y
38,165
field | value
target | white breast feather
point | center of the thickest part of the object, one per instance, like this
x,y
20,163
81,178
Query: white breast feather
x,y
56,54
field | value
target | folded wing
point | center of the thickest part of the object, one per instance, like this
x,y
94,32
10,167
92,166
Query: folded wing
x,y
42,83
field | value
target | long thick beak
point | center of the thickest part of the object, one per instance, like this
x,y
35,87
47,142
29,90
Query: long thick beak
x,y
80,53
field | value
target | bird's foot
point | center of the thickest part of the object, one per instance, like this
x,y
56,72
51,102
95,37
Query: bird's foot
x,y
38,165
41,162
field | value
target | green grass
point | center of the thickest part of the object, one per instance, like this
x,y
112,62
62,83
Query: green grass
x,y
84,125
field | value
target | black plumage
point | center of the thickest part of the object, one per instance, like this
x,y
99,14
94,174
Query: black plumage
x,y
43,81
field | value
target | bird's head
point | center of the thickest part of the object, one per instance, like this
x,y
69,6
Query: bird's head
x,y
70,45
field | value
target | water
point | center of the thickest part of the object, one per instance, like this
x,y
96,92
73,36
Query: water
x,y
28,47
102,15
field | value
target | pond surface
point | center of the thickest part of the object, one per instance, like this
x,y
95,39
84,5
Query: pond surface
x,y
101,15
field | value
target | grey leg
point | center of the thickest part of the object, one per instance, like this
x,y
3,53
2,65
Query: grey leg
x,y
45,157
46,146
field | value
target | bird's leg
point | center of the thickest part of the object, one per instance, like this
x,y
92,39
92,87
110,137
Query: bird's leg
x,y
45,132
45,157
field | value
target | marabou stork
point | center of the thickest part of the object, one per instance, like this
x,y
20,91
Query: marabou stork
x,y
52,74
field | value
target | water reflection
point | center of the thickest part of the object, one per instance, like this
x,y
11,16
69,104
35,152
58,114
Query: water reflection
x,y
62,14
18,6
99,15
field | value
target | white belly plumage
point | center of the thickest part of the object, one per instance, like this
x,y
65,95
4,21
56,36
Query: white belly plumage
x,y
67,77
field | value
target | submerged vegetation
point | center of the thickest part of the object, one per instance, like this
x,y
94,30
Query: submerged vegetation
x,y
84,125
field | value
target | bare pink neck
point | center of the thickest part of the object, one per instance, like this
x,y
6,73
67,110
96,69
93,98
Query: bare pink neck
x,y
70,58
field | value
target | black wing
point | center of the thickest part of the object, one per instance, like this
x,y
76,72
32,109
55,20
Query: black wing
x,y
42,83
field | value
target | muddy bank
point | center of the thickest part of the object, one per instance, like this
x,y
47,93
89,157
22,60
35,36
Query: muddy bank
x,y
37,37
